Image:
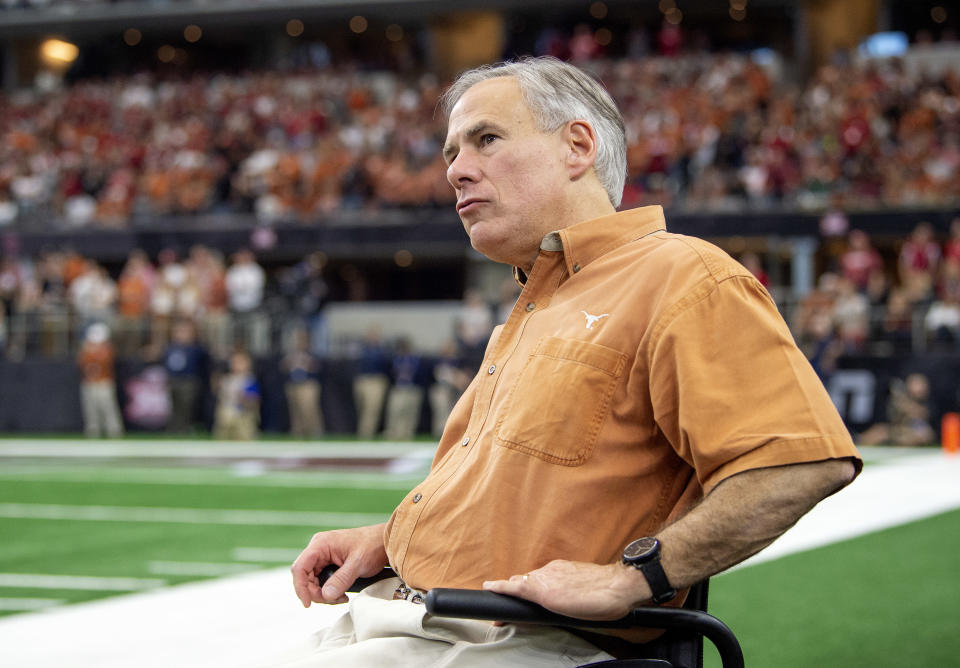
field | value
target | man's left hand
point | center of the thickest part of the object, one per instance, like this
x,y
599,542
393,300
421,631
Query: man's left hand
x,y
578,589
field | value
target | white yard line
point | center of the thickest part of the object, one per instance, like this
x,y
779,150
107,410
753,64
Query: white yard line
x,y
153,449
251,620
29,604
280,555
197,568
238,622
206,477
186,515
85,582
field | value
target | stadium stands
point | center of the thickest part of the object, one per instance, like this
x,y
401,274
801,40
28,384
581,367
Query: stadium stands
x,y
706,132
340,143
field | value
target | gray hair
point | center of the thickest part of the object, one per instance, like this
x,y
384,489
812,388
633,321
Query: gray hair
x,y
557,93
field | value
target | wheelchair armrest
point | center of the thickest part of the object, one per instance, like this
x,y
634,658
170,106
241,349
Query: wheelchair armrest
x,y
473,604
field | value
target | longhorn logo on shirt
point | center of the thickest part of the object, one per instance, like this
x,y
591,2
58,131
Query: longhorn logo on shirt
x,y
593,319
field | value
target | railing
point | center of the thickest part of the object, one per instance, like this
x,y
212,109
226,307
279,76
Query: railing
x,y
59,334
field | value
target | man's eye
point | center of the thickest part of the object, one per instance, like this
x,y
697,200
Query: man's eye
x,y
487,139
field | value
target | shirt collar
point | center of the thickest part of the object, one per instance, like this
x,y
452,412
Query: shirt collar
x,y
585,242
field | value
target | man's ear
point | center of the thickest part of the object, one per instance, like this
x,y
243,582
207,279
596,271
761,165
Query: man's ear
x,y
582,148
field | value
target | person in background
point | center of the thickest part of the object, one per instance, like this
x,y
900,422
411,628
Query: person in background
x,y
306,293
951,249
851,316
942,322
860,260
133,290
302,388
405,396
449,381
754,265
164,296
98,392
245,281
93,295
186,363
908,415
370,383
918,263
207,272
474,324
237,416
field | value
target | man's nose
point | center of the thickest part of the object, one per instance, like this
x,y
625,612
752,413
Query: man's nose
x,y
462,170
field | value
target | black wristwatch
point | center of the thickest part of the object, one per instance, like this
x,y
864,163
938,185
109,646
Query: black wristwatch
x,y
644,555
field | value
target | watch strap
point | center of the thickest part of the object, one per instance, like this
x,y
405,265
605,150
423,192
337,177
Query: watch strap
x,y
657,579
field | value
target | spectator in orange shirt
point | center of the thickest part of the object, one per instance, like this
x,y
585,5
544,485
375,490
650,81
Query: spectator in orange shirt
x,y
133,294
98,394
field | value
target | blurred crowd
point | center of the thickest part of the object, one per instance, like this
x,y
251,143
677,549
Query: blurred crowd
x,y
718,132
901,297
60,293
705,132
281,146
198,329
868,304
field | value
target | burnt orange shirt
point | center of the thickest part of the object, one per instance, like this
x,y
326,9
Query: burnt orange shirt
x,y
96,362
637,370
134,295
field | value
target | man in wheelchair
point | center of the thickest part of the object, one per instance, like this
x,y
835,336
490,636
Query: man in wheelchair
x,y
641,421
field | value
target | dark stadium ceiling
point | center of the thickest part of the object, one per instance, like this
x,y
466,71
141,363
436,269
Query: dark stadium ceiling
x,y
82,18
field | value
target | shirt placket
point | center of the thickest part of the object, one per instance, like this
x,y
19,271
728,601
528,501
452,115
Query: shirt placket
x,y
535,296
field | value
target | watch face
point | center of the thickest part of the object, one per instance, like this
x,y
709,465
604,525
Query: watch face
x,y
640,548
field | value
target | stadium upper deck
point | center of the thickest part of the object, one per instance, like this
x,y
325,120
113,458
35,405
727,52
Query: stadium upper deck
x,y
705,133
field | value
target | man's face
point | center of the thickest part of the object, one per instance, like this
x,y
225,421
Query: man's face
x,y
508,175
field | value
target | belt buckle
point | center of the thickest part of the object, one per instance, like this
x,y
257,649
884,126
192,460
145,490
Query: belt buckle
x,y
405,593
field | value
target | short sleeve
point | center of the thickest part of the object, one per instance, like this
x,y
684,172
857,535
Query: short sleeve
x,y
732,392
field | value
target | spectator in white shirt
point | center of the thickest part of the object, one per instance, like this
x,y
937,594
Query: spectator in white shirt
x,y
245,281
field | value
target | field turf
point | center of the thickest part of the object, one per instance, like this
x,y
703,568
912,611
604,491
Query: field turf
x,y
78,529
164,526
890,598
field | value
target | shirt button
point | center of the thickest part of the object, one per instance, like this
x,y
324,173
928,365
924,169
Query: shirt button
x,y
576,268
531,306
493,367
466,439
417,497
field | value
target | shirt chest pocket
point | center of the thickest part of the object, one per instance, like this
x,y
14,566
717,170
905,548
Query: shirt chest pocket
x,y
560,400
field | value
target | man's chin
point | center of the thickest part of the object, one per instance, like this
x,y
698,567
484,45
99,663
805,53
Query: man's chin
x,y
491,247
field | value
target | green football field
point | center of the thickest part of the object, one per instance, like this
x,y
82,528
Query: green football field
x,y
127,525
80,528
890,598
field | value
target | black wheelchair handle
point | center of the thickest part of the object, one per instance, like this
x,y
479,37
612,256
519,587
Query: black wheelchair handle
x,y
473,604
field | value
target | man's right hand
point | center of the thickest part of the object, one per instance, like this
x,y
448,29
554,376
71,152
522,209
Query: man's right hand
x,y
356,552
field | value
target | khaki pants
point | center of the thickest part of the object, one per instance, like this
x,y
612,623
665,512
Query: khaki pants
x,y
369,391
101,415
303,400
380,632
403,412
230,424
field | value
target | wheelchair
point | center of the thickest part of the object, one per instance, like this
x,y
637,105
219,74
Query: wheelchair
x,y
681,645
